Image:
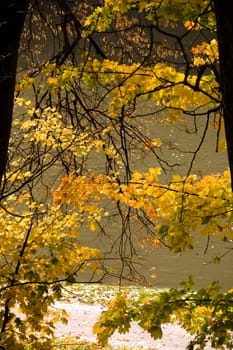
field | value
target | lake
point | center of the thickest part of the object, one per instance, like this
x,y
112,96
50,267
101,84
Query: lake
x,y
179,144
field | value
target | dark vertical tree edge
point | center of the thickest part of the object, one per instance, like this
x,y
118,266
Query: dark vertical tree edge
x,y
12,16
223,12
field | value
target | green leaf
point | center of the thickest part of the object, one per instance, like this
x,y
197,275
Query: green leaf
x,y
156,332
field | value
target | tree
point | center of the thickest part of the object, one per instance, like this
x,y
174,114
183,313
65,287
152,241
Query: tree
x,y
80,100
12,21
224,31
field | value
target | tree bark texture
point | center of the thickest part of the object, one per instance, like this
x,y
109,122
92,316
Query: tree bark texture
x,y
12,16
223,12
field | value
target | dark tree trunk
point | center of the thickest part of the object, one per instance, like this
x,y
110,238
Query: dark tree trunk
x,y
12,16
223,12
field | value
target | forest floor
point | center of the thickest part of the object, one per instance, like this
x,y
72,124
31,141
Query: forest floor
x,y
84,308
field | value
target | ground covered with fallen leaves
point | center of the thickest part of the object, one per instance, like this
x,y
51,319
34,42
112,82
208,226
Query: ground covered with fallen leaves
x,y
84,305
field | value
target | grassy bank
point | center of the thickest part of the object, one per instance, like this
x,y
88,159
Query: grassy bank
x,y
69,345
102,294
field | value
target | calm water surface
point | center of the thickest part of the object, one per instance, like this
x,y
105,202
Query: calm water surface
x,y
168,267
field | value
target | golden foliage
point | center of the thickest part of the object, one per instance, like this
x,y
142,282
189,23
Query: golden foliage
x,y
40,236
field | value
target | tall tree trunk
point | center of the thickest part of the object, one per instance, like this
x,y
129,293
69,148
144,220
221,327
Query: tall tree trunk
x,y
223,12
12,16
